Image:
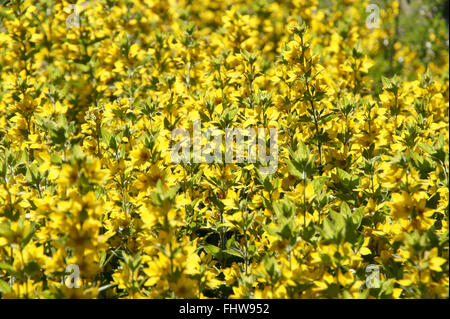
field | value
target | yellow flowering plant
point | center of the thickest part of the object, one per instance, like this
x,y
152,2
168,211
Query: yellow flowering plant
x,y
313,138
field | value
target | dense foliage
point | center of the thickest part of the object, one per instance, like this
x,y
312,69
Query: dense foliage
x,y
90,93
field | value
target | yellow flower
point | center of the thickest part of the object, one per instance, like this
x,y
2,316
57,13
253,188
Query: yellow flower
x,y
140,156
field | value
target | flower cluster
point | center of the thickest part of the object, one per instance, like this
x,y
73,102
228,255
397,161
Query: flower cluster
x,y
92,204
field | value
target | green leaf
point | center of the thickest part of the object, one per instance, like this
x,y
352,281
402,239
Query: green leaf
x,y
339,221
387,288
213,250
32,174
302,153
284,208
173,192
271,231
327,229
106,136
233,252
293,170
3,169
357,217
318,184
5,231
386,82
9,269
348,180
82,67
345,210
270,265
5,288
55,159
28,236
77,152
426,148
